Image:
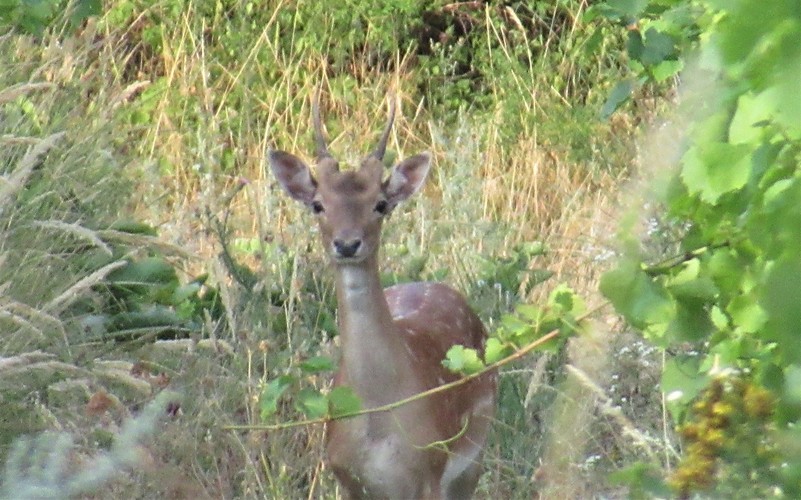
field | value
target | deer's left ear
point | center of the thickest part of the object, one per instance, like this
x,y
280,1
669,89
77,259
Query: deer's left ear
x,y
407,178
294,175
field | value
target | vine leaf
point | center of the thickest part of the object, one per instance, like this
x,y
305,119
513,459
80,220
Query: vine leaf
x,y
620,94
641,300
495,350
317,364
780,301
691,322
714,169
311,402
682,381
343,401
272,393
461,359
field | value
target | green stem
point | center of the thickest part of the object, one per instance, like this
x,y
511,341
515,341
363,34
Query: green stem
x,y
677,260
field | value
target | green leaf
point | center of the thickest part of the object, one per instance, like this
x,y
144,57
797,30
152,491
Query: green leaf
x,y
657,47
36,15
185,292
496,350
83,9
460,359
527,312
635,45
714,169
666,69
312,403
746,313
151,270
627,8
644,481
317,364
688,283
133,227
343,401
154,316
620,94
780,298
514,328
272,393
641,300
785,95
718,318
792,382
565,300
751,111
594,41
727,269
682,381
691,323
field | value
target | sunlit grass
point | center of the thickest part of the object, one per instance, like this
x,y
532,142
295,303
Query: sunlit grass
x,y
189,120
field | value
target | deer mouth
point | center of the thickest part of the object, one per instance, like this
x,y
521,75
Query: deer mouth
x,y
345,260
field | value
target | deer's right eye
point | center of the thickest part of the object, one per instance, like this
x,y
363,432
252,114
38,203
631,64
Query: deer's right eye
x,y
317,207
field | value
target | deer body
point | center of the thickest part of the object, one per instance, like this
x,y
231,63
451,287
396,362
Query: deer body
x,y
393,341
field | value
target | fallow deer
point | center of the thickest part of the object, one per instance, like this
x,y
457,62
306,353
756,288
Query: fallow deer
x,y
393,340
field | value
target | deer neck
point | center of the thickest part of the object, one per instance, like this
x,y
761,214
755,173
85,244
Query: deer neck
x,y
373,355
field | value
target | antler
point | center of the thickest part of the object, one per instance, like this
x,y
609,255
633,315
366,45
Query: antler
x,y
382,144
319,137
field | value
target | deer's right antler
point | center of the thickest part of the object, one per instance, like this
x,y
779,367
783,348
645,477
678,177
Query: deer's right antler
x,y
319,137
382,144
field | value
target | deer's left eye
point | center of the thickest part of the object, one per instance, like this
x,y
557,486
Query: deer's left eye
x,y
382,206
317,207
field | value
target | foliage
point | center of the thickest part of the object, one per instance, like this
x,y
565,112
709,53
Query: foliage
x,y
730,428
168,104
658,32
144,298
75,269
487,58
34,16
529,326
308,400
732,291
53,218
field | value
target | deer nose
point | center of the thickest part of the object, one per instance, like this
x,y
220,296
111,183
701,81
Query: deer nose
x,y
347,248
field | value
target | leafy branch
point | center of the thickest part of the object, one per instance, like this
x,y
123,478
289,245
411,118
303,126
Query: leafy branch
x,y
675,261
518,354
727,313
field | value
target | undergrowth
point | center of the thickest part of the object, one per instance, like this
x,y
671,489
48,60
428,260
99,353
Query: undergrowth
x,y
144,247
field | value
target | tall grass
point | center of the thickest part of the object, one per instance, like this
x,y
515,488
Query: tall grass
x,y
168,109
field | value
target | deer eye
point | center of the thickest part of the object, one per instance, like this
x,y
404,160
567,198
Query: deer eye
x,y
382,206
317,207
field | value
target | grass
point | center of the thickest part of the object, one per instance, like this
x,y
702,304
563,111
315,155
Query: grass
x,y
166,119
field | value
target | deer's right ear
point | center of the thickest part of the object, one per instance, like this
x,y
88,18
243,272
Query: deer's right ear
x,y
293,175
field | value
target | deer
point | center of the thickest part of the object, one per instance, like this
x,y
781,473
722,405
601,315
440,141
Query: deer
x,y
392,340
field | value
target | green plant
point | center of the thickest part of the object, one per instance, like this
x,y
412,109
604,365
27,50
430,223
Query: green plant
x,y
35,16
169,105
726,303
144,297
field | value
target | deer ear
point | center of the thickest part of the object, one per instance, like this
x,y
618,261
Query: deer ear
x,y
406,178
293,175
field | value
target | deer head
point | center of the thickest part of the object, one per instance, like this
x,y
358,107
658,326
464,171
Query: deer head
x,y
349,205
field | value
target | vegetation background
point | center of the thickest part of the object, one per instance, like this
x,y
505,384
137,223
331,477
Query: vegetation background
x,y
157,289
